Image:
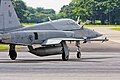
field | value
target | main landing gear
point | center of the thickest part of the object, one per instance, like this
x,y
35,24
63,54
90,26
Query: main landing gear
x,y
12,52
78,49
65,50
65,54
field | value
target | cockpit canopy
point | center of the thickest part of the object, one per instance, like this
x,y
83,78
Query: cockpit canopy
x,y
61,24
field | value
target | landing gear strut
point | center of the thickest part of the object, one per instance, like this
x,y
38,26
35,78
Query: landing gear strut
x,y
12,52
78,49
65,54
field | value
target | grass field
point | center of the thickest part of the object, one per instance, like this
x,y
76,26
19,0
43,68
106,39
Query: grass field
x,y
3,47
6,47
28,24
117,29
112,27
109,26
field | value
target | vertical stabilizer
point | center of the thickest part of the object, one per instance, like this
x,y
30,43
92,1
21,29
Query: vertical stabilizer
x,y
8,18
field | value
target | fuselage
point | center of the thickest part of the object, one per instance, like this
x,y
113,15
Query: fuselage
x,y
63,28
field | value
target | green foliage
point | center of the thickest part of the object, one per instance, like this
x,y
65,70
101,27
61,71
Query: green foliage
x,y
32,15
20,8
104,11
107,11
39,15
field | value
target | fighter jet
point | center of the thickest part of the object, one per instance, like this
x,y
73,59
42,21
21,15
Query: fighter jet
x,y
51,36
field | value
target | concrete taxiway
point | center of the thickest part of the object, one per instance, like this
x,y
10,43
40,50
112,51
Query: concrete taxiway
x,y
100,61
93,65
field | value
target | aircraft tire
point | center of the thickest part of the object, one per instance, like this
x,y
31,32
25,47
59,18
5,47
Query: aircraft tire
x,y
78,54
13,54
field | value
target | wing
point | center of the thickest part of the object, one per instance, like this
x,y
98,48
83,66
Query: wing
x,y
52,41
55,41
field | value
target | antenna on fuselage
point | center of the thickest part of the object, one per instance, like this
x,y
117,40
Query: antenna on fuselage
x,y
49,19
87,22
78,20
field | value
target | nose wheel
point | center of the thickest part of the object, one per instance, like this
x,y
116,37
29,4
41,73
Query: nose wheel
x,y
12,52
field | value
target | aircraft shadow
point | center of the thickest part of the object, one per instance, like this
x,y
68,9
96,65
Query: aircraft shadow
x,y
93,59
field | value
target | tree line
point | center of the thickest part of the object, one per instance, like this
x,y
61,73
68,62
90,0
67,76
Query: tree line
x,y
102,11
32,15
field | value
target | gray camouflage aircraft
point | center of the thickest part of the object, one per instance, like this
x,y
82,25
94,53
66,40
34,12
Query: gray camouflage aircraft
x,y
51,36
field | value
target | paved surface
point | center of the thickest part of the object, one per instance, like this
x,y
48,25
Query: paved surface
x,y
92,66
99,62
